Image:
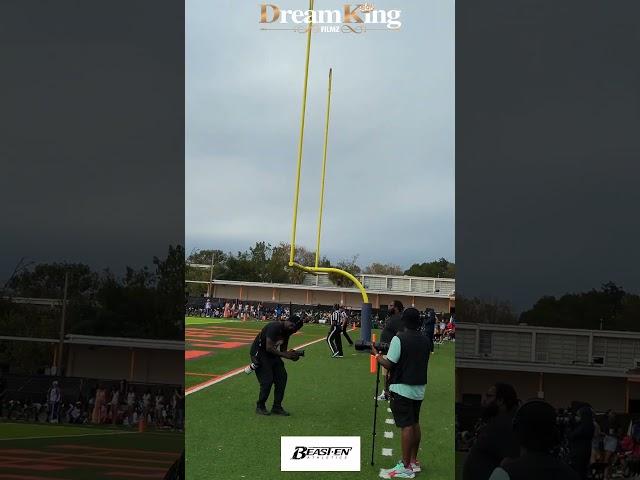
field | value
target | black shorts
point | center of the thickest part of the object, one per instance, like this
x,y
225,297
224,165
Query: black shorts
x,y
406,412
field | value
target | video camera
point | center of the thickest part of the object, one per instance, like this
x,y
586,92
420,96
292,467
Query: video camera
x,y
365,345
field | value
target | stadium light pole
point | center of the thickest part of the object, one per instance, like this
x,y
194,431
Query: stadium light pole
x,y
210,276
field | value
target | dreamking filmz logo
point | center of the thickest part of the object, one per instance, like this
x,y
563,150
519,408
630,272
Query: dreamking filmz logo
x,y
320,454
352,18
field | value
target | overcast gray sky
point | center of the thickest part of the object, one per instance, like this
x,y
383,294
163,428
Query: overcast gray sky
x,y
391,145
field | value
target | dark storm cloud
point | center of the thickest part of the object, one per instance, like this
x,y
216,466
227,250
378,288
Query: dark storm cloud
x,y
547,147
92,131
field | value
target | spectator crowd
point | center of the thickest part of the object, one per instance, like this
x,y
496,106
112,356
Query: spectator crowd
x,y
513,440
84,402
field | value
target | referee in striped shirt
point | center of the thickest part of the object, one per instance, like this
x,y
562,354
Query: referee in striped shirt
x,y
335,328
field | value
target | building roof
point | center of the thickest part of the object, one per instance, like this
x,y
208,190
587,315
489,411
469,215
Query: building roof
x,y
124,342
49,302
436,293
527,348
121,342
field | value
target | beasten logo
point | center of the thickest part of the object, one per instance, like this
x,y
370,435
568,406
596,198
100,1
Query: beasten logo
x,y
320,454
302,452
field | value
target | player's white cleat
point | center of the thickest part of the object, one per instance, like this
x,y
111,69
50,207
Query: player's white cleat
x,y
399,471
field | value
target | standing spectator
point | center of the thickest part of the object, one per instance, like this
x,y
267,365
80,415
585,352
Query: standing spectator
x,y
146,404
496,440
114,404
611,431
98,406
393,326
131,405
178,395
54,397
580,439
207,307
535,427
159,407
428,326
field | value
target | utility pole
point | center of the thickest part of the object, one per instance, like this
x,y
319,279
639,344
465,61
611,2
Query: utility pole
x,y
210,276
62,323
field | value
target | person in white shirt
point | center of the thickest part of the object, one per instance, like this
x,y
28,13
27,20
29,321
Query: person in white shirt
x,y
159,407
113,404
131,405
146,404
54,397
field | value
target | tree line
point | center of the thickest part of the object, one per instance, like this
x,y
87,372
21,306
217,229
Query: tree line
x,y
609,307
140,303
266,263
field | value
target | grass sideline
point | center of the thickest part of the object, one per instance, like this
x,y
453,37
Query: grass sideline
x,y
44,451
325,397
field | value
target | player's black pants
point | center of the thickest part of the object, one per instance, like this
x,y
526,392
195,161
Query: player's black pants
x,y
334,340
270,372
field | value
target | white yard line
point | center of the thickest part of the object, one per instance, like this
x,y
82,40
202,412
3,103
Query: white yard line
x,y
66,436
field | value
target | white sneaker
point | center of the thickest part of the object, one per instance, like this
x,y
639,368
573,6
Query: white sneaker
x,y
416,467
382,397
248,370
399,471
334,355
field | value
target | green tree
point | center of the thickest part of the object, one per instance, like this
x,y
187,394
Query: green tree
x,y
610,308
383,269
485,310
348,265
438,268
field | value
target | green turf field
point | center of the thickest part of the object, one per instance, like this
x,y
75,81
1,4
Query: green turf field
x,y
220,361
325,397
42,452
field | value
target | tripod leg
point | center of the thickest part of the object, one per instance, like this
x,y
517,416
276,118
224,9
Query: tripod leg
x,y
375,414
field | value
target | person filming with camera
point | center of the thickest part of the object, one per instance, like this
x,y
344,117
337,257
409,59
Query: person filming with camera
x,y
407,360
267,351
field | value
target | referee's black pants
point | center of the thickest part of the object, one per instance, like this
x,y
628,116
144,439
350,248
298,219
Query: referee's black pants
x,y
346,335
271,371
334,340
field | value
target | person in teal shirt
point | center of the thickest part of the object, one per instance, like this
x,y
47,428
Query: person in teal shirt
x,y
407,360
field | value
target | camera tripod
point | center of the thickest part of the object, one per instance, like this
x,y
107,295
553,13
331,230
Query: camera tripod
x,y
375,413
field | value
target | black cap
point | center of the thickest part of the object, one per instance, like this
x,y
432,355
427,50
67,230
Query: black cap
x,y
411,318
297,321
